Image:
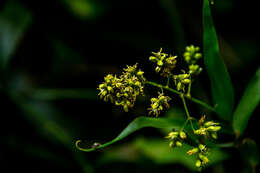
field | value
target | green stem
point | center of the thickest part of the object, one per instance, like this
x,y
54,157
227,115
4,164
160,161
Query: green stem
x,y
179,93
189,89
184,124
189,118
185,106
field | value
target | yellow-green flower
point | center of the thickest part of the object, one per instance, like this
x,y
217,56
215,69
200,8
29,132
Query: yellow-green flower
x,y
123,90
158,104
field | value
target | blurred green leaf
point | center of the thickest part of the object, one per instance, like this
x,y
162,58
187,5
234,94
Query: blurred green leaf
x,y
138,124
221,86
247,104
47,120
84,9
53,94
14,20
159,152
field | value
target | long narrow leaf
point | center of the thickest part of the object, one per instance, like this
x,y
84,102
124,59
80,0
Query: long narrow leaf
x,y
247,105
14,20
221,86
135,125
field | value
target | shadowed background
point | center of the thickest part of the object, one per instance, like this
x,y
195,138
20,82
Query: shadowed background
x,y
53,55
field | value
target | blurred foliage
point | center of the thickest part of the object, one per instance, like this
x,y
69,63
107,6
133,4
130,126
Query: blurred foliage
x,y
53,54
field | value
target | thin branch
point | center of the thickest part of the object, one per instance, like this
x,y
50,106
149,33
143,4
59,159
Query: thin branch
x,y
186,96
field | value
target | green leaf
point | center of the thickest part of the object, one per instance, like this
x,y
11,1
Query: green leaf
x,y
14,20
47,119
247,105
158,151
137,124
221,86
84,9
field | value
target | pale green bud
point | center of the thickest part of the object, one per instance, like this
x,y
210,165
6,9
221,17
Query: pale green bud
x,y
214,135
172,135
110,89
188,49
202,147
140,73
171,144
179,86
214,128
197,49
186,54
210,123
178,144
160,63
125,108
183,135
155,105
186,81
193,151
197,55
102,86
138,83
157,69
198,164
153,59
153,100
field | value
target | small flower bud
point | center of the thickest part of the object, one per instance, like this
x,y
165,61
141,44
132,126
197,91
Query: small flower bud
x,y
110,89
210,123
183,135
153,100
202,147
157,69
178,144
140,73
214,128
125,108
193,151
197,55
171,144
214,135
102,86
172,135
186,81
198,164
201,131
160,63
179,86
204,159
152,58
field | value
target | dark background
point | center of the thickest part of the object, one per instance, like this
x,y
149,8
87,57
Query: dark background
x,y
55,53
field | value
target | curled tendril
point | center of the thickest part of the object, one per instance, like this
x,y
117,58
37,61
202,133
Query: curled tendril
x,y
92,148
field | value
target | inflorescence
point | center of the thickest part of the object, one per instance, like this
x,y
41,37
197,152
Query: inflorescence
x,y
123,91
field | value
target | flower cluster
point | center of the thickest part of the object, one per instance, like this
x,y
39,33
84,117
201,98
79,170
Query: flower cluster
x,y
181,80
208,129
176,138
191,56
157,104
202,153
123,90
165,64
